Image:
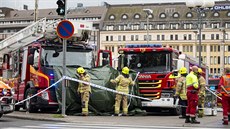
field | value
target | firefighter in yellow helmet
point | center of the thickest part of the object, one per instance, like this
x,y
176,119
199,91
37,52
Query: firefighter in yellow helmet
x,y
181,91
201,93
84,90
123,81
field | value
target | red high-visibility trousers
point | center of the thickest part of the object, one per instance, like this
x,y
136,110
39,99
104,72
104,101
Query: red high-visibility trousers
x,y
192,98
225,104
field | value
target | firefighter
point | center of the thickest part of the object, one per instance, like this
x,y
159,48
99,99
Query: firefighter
x,y
84,90
225,91
192,95
181,91
201,94
123,81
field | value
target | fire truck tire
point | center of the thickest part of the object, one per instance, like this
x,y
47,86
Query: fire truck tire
x,y
175,111
1,115
17,108
28,104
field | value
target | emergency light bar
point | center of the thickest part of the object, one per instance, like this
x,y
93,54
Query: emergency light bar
x,y
142,45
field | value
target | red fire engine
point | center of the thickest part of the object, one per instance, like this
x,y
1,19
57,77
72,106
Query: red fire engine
x,y
31,54
156,65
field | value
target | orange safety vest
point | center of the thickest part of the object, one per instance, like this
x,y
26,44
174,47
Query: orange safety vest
x,y
226,85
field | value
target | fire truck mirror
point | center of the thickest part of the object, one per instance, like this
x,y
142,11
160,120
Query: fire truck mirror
x,y
31,59
175,73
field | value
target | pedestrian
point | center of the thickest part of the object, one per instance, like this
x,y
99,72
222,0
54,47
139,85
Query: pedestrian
x,y
84,90
181,91
225,92
123,81
201,93
192,95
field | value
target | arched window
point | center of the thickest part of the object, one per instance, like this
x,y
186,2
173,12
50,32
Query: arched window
x,y
228,14
189,15
112,17
162,15
176,15
137,16
216,14
124,16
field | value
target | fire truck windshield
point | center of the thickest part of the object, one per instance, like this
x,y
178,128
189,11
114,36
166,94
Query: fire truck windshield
x,y
149,61
74,57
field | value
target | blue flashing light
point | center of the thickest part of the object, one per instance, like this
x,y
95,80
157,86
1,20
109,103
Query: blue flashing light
x,y
51,74
143,45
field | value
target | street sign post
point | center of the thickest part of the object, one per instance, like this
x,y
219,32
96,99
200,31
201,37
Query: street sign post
x,y
65,29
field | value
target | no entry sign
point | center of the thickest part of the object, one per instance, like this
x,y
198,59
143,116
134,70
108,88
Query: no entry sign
x,y
65,29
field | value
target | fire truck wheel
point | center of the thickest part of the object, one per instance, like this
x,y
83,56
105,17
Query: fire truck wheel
x,y
1,115
28,104
17,108
176,111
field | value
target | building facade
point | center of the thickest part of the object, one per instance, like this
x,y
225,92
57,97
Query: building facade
x,y
172,25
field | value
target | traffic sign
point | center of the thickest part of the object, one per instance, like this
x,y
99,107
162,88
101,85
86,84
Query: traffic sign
x,y
65,29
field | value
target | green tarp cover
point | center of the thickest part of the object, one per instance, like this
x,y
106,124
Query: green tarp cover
x,y
101,102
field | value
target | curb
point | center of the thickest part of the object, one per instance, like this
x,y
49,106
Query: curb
x,y
33,118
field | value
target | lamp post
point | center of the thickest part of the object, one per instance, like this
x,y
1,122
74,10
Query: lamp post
x,y
195,32
200,7
222,54
148,13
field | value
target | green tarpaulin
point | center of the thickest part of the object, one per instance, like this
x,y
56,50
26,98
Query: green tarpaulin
x,y
101,101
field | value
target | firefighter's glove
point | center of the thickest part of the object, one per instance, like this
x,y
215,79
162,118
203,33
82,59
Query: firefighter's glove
x,y
113,81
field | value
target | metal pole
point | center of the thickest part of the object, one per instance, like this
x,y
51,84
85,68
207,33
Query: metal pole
x,y
64,69
195,44
147,29
199,23
36,11
222,54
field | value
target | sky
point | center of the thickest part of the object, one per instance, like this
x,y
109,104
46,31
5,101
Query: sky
x,y
18,4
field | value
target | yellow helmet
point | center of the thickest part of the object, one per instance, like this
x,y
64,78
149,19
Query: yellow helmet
x,y
183,70
200,70
80,70
125,70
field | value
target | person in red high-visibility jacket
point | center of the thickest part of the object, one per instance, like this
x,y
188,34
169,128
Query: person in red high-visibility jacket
x,y
225,92
192,95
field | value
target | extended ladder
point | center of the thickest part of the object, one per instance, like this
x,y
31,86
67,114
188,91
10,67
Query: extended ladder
x,y
24,37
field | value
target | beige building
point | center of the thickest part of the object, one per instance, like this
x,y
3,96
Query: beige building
x,y
172,25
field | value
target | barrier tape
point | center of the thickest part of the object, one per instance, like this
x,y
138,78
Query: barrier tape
x,y
40,91
104,88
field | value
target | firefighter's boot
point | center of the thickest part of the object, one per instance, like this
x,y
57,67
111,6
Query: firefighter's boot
x,y
200,113
194,121
187,119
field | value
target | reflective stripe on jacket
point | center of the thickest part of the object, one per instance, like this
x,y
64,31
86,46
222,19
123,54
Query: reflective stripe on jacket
x,y
181,88
123,83
83,87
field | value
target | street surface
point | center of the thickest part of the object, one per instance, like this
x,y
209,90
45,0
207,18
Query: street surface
x,y
11,123
23,120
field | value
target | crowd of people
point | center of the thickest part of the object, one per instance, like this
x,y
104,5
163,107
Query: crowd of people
x,y
190,90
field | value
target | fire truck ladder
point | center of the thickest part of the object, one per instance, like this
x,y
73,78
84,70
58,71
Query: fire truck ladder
x,y
24,37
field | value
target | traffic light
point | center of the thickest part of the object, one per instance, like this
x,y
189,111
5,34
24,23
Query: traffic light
x,y
61,7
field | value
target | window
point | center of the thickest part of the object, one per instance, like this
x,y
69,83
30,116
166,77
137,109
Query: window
x,y
214,60
216,14
218,60
203,36
228,14
215,25
109,27
124,16
171,37
189,15
137,16
174,26
187,26
212,36
211,70
161,26
218,48
176,37
217,36
132,37
112,17
162,37
228,59
162,15
107,38
158,37
211,60
136,37
111,38
119,37
185,37
176,15
225,60
124,39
